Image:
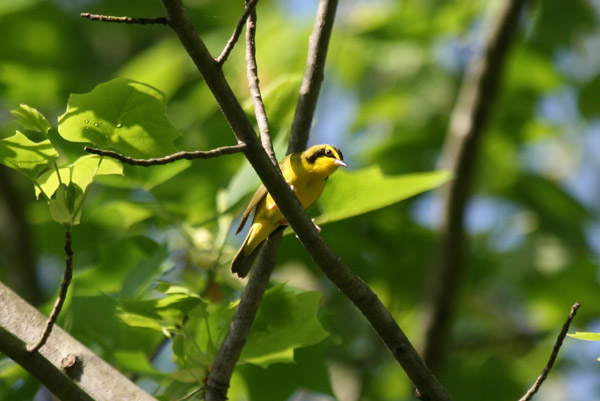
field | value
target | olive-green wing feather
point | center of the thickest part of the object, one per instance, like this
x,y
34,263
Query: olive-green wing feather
x,y
259,195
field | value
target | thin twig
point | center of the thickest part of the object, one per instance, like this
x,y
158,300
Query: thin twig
x,y
559,341
253,85
318,46
219,377
459,155
199,154
125,20
62,295
250,6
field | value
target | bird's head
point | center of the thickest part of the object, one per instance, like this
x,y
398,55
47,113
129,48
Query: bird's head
x,y
323,159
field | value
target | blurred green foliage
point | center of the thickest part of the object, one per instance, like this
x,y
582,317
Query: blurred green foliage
x,y
156,243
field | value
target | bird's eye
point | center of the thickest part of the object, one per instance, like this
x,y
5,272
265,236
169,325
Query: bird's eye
x,y
328,153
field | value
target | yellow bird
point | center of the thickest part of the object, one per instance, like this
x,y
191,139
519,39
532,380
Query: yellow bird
x,y
306,173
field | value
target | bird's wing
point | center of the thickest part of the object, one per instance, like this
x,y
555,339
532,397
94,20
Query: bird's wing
x,y
259,195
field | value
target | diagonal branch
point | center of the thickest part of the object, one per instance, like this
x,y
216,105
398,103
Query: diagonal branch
x,y
559,341
459,155
125,20
199,154
67,368
352,286
313,76
250,7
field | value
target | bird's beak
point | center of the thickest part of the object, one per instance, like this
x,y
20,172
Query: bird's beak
x,y
340,163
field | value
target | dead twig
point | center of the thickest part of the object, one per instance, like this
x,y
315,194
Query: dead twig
x,y
199,154
250,6
126,20
62,295
559,341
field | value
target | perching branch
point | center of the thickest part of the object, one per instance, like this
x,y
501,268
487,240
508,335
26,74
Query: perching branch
x,y
250,6
125,20
62,295
199,154
459,155
559,341
67,368
318,46
352,286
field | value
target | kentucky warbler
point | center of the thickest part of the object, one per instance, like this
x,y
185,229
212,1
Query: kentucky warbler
x,y
306,173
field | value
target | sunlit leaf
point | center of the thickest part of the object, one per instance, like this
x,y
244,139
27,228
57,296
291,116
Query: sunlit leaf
x,y
124,115
164,314
31,119
350,193
82,173
26,156
585,336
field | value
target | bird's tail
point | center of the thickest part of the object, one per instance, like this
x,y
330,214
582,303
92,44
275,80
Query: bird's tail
x,y
242,262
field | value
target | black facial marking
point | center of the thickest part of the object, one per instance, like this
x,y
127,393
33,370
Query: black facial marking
x,y
339,152
313,158
324,152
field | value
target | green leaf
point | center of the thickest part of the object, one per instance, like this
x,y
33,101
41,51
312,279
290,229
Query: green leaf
x,y
586,336
287,319
124,115
351,193
31,119
82,172
164,314
26,156
59,209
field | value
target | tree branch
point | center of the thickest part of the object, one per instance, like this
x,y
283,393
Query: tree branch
x,y
559,341
250,7
459,155
125,20
354,288
318,46
229,353
62,295
67,368
199,154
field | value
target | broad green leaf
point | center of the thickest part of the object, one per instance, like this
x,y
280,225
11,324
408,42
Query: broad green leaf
x,y
82,173
351,193
124,115
87,167
59,209
31,119
26,156
586,336
164,314
287,319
